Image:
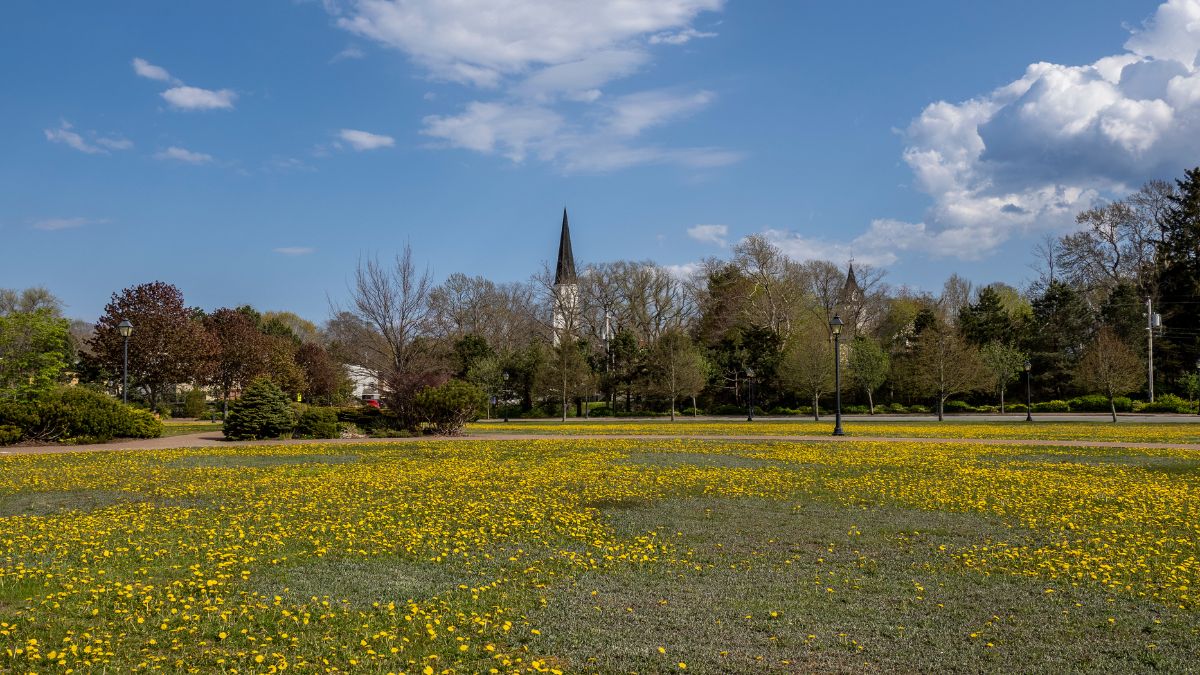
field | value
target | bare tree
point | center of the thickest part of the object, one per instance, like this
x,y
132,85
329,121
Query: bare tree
x,y
956,295
678,368
392,300
807,366
1111,367
945,365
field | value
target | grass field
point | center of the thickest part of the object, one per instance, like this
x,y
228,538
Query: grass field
x,y
602,555
183,427
1157,432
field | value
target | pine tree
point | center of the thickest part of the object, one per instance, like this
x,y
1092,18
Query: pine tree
x,y
1179,279
263,411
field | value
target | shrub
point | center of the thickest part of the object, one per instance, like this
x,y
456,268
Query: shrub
x,y
317,423
957,407
1169,403
447,408
1099,403
9,434
76,415
855,409
195,404
1015,407
263,411
689,412
727,409
918,408
893,408
1054,406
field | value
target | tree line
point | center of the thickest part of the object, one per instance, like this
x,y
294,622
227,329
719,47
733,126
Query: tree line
x,y
639,339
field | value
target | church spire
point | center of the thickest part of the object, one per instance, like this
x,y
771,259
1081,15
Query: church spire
x,y
564,273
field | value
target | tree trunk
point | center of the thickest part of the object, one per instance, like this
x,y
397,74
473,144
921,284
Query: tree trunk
x,y
695,413
941,405
816,408
1112,406
1001,400
870,402
672,408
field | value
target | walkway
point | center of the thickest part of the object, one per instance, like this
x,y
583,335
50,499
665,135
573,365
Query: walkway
x,y
212,439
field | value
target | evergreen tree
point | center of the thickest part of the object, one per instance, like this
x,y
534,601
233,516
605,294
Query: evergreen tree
x,y
986,320
1061,328
263,411
1179,279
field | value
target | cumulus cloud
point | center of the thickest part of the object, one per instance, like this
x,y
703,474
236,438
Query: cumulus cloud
x,y
710,234
678,37
606,142
1030,154
150,71
365,140
179,154
184,97
294,250
480,42
549,62
52,224
98,145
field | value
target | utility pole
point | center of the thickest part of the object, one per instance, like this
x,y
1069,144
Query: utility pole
x,y
1150,346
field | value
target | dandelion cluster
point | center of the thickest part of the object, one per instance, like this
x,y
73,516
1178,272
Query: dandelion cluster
x,y
202,560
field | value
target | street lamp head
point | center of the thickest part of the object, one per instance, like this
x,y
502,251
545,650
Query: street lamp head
x,y
125,328
1028,366
750,373
836,324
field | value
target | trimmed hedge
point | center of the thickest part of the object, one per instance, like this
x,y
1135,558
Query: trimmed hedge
x,y
1168,403
1099,403
74,415
1052,406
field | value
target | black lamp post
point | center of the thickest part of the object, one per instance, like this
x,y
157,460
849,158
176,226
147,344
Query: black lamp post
x,y
1028,397
125,329
835,325
505,376
750,397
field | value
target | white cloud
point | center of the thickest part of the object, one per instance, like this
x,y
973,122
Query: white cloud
x,y
678,37
179,154
52,224
710,234
151,72
194,98
99,145
634,113
510,130
550,62
481,42
350,52
519,130
294,250
1032,153
684,271
364,140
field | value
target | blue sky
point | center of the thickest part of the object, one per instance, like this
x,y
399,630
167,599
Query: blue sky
x,y
251,152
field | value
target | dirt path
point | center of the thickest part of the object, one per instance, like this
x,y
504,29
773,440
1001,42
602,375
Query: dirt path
x,y
213,439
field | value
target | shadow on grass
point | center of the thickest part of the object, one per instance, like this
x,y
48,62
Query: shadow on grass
x,y
758,586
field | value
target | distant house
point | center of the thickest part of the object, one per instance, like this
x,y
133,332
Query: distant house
x,y
366,382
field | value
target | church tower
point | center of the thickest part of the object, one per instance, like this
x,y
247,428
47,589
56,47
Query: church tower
x,y
566,286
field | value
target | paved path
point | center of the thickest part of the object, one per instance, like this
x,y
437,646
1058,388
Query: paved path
x,y
213,439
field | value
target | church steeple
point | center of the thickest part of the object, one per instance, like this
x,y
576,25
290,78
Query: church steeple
x,y
564,273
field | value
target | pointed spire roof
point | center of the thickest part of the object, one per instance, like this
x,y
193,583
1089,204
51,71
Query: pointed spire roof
x,y
851,281
564,273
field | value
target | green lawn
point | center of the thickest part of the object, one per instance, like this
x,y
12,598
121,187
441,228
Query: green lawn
x,y
604,555
183,428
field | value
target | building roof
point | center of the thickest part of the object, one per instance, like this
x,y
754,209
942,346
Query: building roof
x,y
564,272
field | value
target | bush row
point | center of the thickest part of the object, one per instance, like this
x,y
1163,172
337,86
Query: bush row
x,y
74,415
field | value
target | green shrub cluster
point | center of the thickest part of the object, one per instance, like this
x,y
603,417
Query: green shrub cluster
x,y
74,415
1167,403
1055,406
447,408
317,423
263,411
1098,403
